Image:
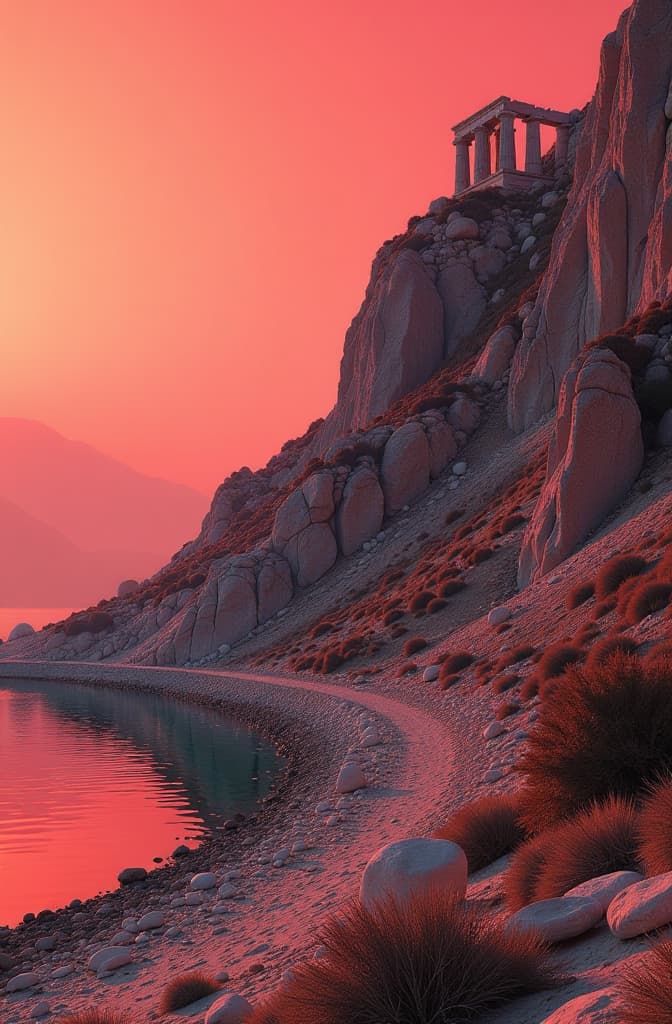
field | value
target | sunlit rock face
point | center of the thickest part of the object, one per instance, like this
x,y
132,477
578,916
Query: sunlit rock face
x,y
394,343
596,453
612,251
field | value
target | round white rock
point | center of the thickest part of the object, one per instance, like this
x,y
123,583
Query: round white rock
x,y
412,866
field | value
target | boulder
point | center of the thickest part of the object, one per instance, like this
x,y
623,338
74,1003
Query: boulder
x,y
127,587
601,1007
203,880
596,453
21,982
487,261
605,887
274,586
610,255
404,470
360,514
203,634
498,615
22,629
442,447
350,778
643,907
152,919
464,301
461,228
311,553
496,357
236,612
394,344
558,919
110,958
130,875
412,866
464,414
229,1009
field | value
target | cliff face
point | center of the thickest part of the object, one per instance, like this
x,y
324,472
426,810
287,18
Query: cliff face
x,y
612,251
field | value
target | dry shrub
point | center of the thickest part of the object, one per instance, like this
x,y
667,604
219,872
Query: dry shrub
x,y
524,871
486,829
579,594
509,707
601,839
413,645
646,988
603,650
393,616
321,629
603,608
514,656
451,587
530,687
331,661
456,662
94,1015
419,601
655,828
437,605
647,599
453,515
407,669
504,683
432,961
556,659
616,571
186,989
445,682
610,731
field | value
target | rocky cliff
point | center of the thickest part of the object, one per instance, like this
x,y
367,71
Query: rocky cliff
x,y
612,251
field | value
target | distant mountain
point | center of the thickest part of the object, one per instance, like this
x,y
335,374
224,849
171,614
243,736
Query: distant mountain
x,y
73,521
40,567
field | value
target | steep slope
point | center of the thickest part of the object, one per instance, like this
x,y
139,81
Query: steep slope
x,y
98,503
612,252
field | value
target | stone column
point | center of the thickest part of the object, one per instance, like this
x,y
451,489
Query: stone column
x,y
561,145
462,170
507,142
532,147
482,166
497,147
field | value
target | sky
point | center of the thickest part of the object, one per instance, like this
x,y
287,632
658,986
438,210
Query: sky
x,y
191,194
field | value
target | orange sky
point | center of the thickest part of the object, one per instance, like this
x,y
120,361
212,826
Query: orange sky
x,y
192,194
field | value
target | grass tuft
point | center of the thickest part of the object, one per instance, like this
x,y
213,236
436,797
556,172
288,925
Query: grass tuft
x,y
186,989
486,829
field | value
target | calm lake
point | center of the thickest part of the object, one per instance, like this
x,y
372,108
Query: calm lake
x,y
95,780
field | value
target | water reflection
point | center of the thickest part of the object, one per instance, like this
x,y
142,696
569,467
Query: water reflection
x,y
95,780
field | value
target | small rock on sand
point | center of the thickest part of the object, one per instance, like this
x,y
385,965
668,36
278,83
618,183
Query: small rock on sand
x,y
413,865
229,1009
558,919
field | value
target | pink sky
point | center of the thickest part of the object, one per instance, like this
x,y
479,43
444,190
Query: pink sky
x,y
192,194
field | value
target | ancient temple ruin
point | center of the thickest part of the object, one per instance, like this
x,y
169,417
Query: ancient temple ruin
x,y
496,124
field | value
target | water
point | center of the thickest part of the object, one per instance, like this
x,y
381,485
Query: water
x,y
37,617
95,780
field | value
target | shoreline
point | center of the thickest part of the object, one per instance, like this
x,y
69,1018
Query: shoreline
x,y
273,912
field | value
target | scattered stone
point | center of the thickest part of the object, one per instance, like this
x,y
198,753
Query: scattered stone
x,y
46,943
181,851
643,907
605,887
130,875
351,777
62,972
556,920
460,468
110,958
154,919
601,1007
204,880
413,865
499,615
229,1009
493,730
431,673
40,1009
21,982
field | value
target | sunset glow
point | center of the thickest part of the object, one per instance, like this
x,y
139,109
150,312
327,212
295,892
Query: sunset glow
x,y
192,195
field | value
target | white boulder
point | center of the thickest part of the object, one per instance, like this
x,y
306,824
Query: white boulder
x,y
558,919
110,958
642,907
229,1009
20,630
412,866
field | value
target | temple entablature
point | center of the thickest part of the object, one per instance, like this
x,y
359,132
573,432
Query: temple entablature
x,y
496,123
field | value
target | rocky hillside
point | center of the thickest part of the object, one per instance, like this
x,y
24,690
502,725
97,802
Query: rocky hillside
x,y
552,302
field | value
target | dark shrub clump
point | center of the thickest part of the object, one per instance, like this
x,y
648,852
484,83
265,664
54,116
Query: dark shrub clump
x,y
94,1015
186,989
655,828
579,594
413,645
486,829
432,961
610,731
616,571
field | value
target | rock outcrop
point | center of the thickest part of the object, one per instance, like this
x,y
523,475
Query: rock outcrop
x,y
596,453
394,343
612,251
